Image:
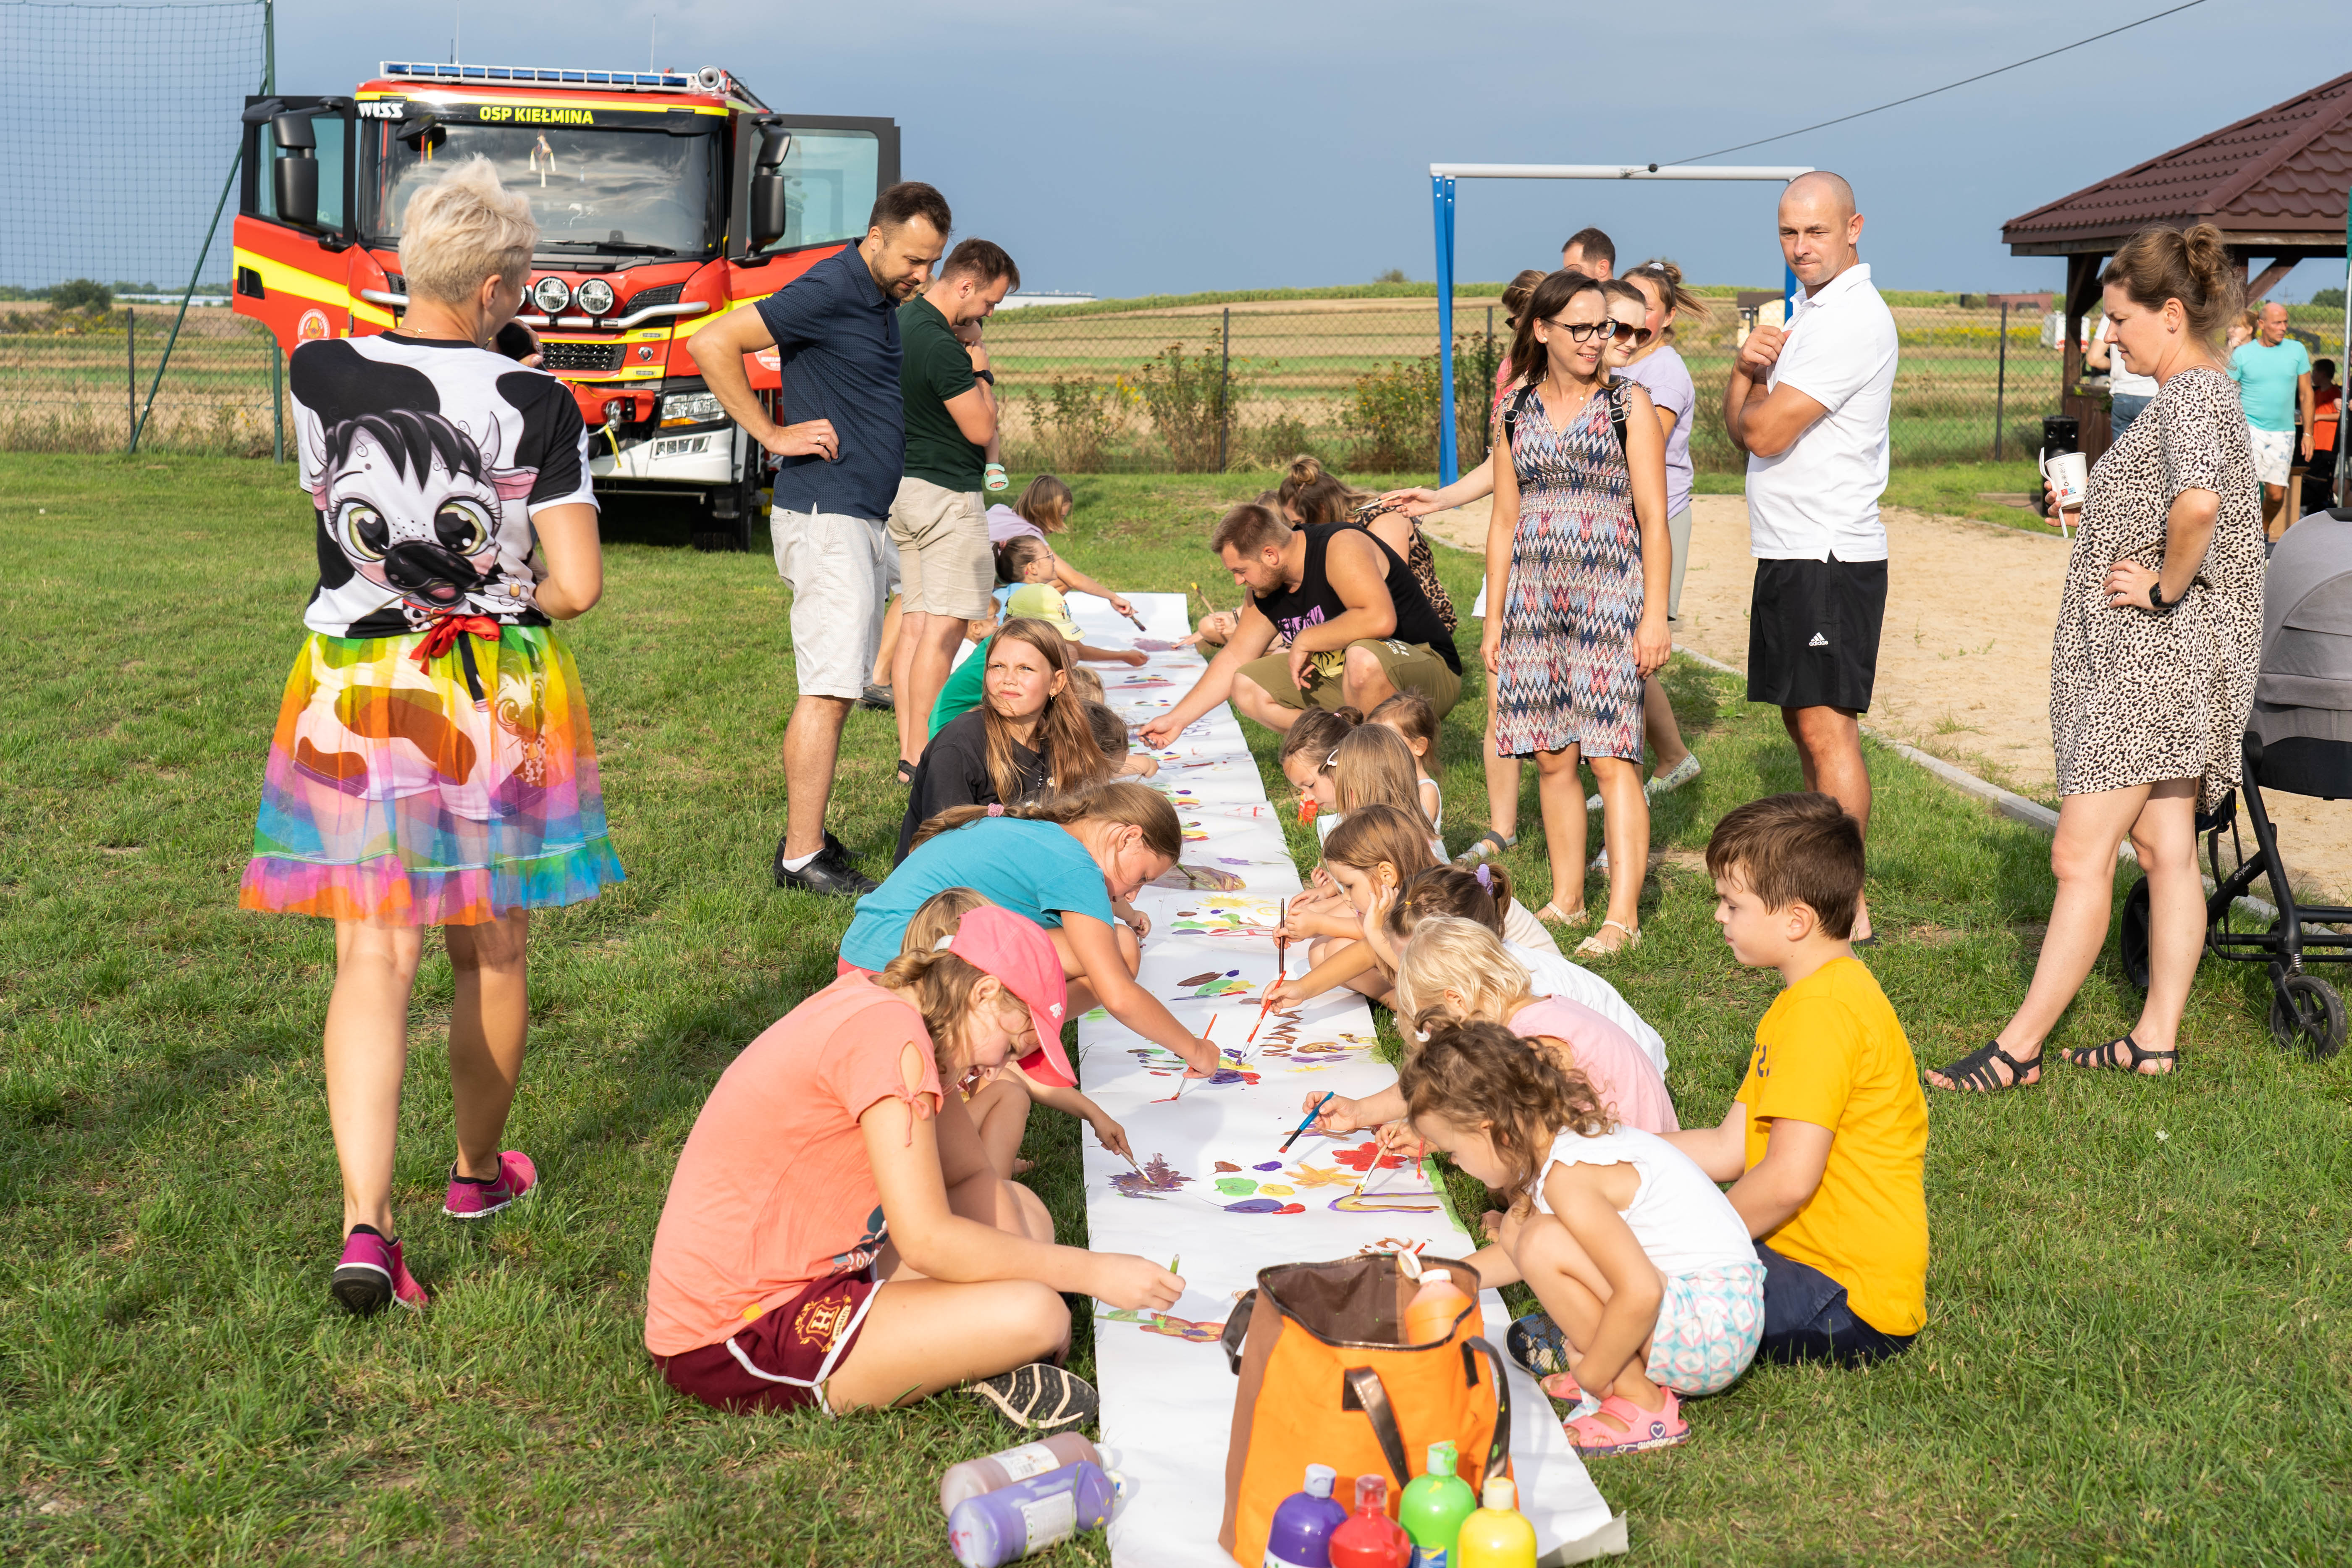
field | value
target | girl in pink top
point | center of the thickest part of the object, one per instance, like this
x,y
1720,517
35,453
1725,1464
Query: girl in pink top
x,y
1458,970
834,1235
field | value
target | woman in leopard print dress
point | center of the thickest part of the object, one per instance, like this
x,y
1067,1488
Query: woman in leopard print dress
x,y
2152,668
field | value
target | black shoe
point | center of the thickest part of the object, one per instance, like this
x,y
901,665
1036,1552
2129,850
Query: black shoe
x,y
830,872
1040,1397
875,697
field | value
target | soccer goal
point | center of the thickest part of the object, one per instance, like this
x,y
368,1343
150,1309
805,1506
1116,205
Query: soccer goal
x,y
1442,183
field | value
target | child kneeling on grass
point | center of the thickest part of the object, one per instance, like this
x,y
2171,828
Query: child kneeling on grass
x,y
1456,970
824,1166
1640,1262
1826,1142
999,1105
1069,863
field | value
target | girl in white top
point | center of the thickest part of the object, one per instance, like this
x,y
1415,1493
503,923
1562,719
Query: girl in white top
x,y
1411,716
1649,1285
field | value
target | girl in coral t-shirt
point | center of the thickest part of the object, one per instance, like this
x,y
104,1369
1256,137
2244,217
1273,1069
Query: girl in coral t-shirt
x,y
820,1170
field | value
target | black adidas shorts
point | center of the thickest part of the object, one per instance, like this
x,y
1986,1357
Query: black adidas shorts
x,y
1812,633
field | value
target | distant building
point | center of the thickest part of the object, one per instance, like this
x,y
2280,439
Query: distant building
x,y
1035,297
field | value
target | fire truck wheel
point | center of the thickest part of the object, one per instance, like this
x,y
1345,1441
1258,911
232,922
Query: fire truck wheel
x,y
726,515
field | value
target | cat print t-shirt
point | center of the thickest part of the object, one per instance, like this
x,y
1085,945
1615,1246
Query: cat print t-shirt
x,y
425,460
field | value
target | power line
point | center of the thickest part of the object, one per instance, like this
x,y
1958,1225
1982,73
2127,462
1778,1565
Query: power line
x,y
1947,86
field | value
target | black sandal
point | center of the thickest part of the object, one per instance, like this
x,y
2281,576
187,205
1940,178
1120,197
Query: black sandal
x,y
906,771
2109,1057
1973,1073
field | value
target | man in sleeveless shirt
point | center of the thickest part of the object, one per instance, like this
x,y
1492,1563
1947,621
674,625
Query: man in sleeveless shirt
x,y
1361,629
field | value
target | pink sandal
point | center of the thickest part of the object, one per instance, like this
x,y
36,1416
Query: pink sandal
x,y
1660,1428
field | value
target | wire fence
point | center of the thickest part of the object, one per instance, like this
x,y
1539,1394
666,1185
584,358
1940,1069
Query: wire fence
x,y
1086,389
115,209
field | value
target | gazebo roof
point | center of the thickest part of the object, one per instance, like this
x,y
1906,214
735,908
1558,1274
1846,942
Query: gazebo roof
x,y
2274,184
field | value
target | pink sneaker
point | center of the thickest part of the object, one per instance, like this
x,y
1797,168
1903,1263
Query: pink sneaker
x,y
1638,1429
472,1199
371,1273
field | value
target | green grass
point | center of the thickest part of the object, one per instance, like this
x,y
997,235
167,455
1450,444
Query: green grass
x,y
2140,1346
1952,488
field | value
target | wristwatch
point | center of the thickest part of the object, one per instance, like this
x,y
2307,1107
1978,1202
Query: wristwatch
x,y
2156,597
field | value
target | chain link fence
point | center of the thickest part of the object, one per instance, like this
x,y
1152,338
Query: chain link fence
x,y
1092,388
122,214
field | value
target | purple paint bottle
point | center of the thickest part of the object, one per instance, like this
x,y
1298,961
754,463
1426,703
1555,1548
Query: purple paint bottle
x,y
995,1528
1301,1536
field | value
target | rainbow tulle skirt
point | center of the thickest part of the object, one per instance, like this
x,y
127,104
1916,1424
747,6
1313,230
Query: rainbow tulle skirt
x,y
445,793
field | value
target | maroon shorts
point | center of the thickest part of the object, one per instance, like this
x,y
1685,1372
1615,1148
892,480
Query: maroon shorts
x,y
781,1359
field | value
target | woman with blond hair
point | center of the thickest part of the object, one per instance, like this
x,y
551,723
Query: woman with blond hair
x,y
2152,666
432,763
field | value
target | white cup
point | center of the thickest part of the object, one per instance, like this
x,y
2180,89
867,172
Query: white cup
x,y
2069,475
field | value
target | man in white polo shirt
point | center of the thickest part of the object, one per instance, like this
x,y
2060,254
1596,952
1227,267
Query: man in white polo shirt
x,y
1809,406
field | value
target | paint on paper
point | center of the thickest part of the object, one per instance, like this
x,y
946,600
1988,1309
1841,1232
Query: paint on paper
x,y
1183,1329
1158,1179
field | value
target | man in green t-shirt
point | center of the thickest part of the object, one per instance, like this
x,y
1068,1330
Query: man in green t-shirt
x,y
947,574
2274,376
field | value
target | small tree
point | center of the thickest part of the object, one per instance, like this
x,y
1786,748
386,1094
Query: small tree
x,y
1190,400
1076,420
1393,275
82,294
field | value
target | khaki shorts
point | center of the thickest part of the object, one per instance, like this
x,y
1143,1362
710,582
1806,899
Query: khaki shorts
x,y
1409,666
839,571
945,566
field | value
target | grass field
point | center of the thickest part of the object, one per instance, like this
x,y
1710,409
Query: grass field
x,y
2141,1293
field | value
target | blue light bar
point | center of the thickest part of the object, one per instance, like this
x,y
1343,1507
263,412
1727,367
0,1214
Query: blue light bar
x,y
622,80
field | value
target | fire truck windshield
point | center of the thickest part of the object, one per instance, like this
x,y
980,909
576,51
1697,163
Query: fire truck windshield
x,y
624,192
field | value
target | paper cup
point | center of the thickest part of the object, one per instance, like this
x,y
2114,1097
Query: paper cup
x,y
2069,474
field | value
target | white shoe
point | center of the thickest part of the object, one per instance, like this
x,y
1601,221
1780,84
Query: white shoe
x,y
1601,861
1667,783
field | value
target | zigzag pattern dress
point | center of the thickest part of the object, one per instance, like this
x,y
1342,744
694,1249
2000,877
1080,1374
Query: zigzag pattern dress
x,y
1567,677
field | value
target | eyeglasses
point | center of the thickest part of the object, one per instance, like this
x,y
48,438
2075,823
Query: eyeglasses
x,y
1582,332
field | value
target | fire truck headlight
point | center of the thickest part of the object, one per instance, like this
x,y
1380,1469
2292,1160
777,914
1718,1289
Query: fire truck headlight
x,y
550,295
691,408
594,296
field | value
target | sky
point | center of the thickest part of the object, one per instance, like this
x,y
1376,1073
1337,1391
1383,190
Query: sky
x,y
1120,149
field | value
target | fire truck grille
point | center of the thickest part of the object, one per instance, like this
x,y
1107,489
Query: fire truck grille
x,y
581,356
665,295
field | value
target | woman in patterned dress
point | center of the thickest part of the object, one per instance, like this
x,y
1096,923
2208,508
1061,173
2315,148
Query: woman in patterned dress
x,y
2152,668
1577,562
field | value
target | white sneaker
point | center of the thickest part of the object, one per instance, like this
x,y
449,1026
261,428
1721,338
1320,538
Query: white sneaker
x,y
1667,783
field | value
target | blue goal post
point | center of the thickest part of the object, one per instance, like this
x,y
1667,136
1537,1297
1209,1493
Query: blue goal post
x,y
1441,178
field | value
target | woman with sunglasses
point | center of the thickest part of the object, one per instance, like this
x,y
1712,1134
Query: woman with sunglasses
x,y
1577,567
1655,288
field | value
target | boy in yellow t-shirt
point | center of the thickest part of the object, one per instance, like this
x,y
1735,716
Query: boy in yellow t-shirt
x,y
1826,1143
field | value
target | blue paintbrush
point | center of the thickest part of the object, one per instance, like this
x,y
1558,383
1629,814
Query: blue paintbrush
x,y
1329,1095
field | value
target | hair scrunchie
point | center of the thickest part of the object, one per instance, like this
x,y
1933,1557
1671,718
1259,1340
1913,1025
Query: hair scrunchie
x,y
1486,875
996,808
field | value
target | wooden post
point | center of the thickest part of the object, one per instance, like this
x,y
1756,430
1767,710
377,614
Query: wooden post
x,y
2092,419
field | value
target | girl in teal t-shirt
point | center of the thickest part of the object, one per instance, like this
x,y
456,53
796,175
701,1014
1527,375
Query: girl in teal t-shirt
x,y
1071,863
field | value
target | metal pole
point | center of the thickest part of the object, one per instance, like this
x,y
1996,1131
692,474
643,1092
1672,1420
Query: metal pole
x,y
277,401
1225,390
195,272
2344,371
1440,196
2001,386
131,387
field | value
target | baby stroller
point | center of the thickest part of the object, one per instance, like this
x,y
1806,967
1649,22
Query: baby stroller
x,y
2298,740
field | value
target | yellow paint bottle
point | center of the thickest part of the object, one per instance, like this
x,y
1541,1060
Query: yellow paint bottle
x,y
1498,1535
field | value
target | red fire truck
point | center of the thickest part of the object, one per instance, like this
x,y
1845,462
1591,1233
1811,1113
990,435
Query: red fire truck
x,y
663,198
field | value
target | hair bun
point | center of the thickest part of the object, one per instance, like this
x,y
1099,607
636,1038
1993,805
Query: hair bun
x,y
1306,468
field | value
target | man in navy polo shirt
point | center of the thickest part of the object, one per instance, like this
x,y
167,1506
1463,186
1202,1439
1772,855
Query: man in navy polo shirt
x,y
835,330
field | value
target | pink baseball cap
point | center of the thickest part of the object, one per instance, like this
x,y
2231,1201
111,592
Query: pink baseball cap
x,y
1000,943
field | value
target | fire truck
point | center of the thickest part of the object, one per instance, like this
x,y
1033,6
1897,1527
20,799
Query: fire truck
x,y
664,199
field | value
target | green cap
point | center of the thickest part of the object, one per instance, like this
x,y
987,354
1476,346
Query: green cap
x,y
1442,1457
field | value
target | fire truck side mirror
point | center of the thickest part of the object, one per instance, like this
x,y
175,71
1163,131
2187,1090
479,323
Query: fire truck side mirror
x,y
769,218
294,174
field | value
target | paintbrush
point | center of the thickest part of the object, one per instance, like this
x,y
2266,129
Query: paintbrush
x,y
1281,964
1299,1131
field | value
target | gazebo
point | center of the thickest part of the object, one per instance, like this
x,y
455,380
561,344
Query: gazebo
x,y
2274,184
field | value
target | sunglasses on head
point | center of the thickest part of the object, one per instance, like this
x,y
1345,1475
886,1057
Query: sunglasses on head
x,y
1582,332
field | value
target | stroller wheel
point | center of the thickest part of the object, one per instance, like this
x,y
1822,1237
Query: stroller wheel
x,y
2134,936
2307,1015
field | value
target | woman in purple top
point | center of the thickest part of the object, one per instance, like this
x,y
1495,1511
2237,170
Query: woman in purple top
x,y
1659,371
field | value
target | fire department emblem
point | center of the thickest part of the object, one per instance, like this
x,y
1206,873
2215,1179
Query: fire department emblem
x,y
313,327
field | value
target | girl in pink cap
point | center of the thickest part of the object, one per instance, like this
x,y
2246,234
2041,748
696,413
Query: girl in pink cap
x,y
820,1170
